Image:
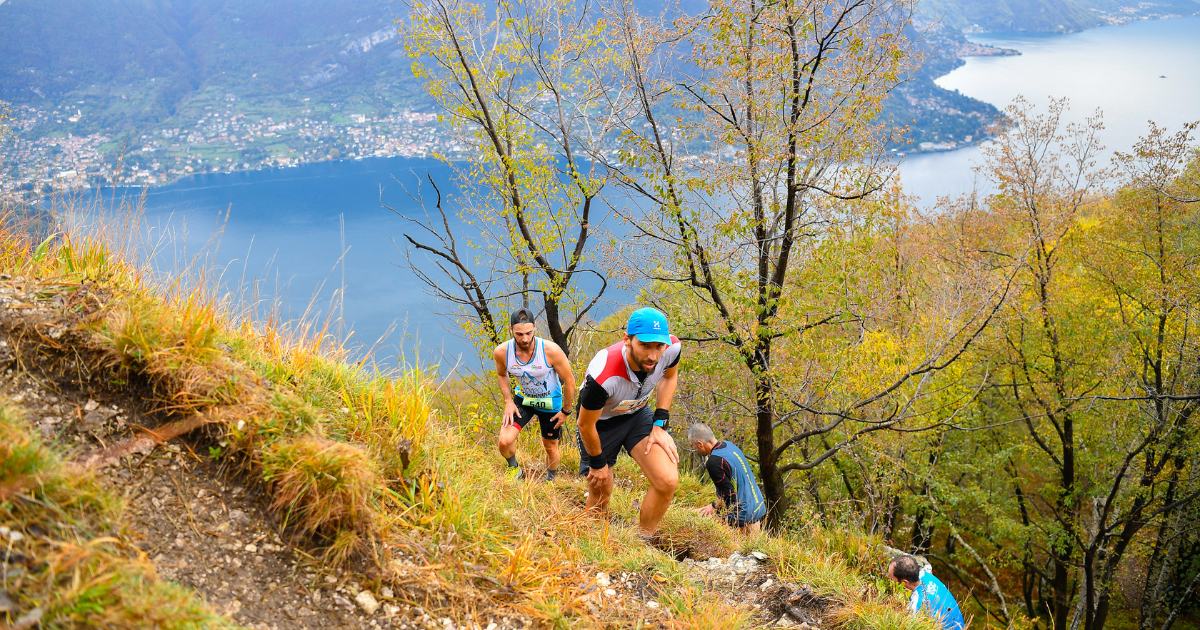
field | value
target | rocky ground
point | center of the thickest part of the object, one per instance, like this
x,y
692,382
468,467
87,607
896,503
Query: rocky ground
x,y
746,580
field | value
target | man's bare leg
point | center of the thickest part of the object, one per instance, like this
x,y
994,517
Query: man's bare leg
x,y
507,441
664,480
553,455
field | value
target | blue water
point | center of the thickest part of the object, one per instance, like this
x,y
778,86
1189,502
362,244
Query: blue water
x,y
324,244
1132,73
282,240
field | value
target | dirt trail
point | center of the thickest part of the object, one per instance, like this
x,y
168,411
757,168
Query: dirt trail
x,y
200,526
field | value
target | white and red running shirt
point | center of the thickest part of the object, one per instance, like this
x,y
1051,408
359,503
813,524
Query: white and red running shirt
x,y
615,389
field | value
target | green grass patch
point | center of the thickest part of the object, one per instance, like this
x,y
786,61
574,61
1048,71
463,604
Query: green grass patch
x,y
63,564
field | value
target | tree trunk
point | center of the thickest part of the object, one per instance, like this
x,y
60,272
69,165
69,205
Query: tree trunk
x,y
1060,586
768,465
1162,560
1062,552
554,326
890,518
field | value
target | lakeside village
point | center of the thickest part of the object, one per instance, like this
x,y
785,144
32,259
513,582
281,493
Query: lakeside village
x,y
222,140
225,140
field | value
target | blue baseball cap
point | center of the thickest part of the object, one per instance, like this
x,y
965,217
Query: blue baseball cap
x,y
648,325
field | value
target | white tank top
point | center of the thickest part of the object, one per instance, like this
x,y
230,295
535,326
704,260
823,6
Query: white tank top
x,y
537,382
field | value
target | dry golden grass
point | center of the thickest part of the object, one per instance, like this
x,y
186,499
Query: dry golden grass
x,y
65,566
359,465
320,485
178,350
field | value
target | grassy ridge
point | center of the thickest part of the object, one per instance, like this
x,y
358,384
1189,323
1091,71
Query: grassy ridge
x,y
366,473
63,567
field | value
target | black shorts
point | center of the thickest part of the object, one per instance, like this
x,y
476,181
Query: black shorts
x,y
623,432
545,420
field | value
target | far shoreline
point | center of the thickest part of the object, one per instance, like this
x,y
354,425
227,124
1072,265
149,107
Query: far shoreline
x,y
974,49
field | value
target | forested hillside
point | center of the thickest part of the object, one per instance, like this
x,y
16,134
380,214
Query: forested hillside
x,y
217,86
138,65
1044,16
1006,383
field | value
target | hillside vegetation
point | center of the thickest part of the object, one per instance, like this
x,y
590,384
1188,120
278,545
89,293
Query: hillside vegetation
x,y
362,476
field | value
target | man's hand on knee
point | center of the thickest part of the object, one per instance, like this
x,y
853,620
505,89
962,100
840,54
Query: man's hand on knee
x,y
600,479
663,439
511,414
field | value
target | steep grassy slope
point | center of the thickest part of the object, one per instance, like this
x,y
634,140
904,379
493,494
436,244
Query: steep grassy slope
x,y
380,476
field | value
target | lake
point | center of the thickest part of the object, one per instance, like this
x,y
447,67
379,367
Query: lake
x,y
314,243
1133,73
293,241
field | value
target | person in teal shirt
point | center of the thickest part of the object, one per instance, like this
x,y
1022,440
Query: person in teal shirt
x,y
929,595
738,495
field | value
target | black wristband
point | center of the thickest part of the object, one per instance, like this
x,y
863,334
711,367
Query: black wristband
x,y
662,418
566,411
597,461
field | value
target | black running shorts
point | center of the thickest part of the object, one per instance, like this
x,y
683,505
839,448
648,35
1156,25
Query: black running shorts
x,y
545,419
625,432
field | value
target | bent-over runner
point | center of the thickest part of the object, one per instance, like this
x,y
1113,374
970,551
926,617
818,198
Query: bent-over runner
x,y
614,414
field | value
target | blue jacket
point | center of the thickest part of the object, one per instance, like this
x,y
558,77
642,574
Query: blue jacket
x,y
728,464
935,599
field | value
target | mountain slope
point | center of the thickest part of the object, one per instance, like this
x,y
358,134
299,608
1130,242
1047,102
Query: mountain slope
x,y
285,487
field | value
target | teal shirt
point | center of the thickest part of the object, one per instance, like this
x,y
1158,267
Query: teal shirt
x,y
932,597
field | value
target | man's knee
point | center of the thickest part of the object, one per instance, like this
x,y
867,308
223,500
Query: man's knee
x,y
666,480
507,439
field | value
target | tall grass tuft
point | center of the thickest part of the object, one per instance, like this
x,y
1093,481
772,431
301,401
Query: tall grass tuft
x,y
322,486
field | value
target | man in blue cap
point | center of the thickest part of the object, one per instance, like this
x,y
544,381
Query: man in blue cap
x,y
614,414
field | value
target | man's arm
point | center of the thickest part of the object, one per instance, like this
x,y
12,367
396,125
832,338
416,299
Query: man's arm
x,y
722,477
592,398
587,431
562,366
666,388
663,397
500,354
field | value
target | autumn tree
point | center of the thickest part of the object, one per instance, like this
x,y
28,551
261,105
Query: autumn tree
x,y
1144,259
1080,442
520,83
755,161
1045,170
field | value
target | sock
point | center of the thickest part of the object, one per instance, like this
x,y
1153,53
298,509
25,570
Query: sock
x,y
512,461
551,473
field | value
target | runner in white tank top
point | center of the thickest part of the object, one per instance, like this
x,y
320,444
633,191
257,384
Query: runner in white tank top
x,y
538,385
540,369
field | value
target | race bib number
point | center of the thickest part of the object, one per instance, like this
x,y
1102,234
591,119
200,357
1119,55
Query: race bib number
x,y
544,404
629,406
